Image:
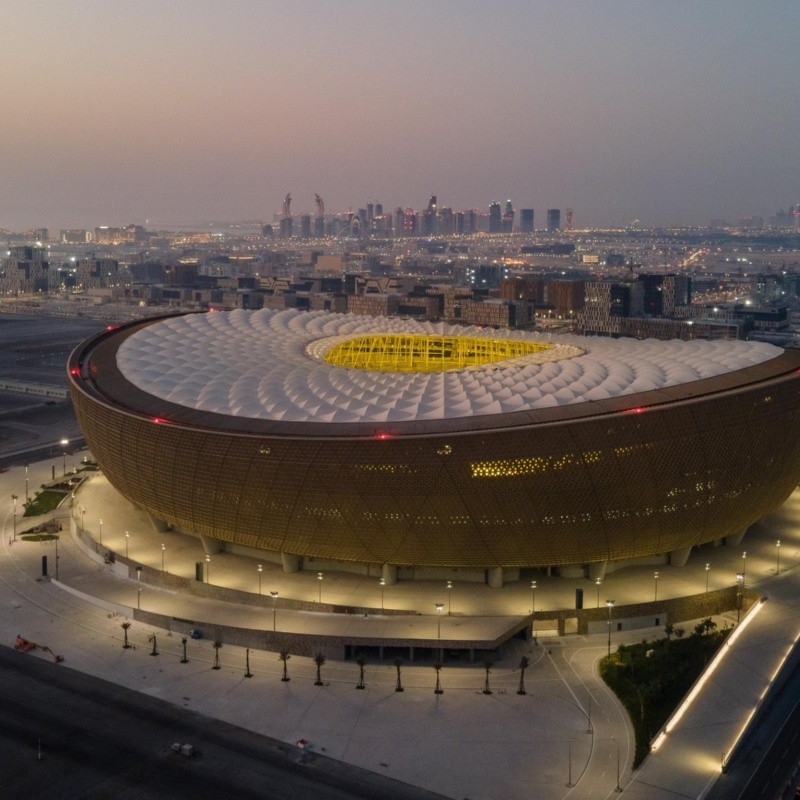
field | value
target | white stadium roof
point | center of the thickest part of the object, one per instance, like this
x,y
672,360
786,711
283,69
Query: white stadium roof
x,y
268,365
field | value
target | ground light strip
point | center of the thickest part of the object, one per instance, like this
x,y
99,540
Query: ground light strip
x,y
695,690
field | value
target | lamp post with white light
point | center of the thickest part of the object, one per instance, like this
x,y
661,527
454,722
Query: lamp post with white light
x,y
778,554
439,609
609,606
739,588
127,539
274,596
320,576
208,569
533,611
14,498
83,511
449,596
598,583
382,584
708,569
744,565
163,554
26,485
259,569
655,593
64,443
101,531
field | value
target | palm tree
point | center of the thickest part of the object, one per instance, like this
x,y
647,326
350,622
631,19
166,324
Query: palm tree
x,y
319,660
154,651
216,644
679,633
247,672
361,660
125,626
524,663
398,662
184,660
487,665
669,629
284,656
438,667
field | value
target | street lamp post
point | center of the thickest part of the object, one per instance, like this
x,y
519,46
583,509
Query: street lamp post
x,y
382,583
83,511
598,583
56,557
26,484
319,578
260,569
274,596
708,569
101,531
533,611
616,742
655,580
163,554
439,609
127,539
64,443
609,606
778,553
744,565
14,498
449,596
739,587
208,569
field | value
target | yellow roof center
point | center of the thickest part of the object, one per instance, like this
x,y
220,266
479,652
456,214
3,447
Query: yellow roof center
x,y
426,353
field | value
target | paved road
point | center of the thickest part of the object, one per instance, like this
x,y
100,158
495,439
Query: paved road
x,y
99,740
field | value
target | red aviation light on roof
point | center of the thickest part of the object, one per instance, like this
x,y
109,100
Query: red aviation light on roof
x,y
111,327
637,410
75,371
383,436
159,420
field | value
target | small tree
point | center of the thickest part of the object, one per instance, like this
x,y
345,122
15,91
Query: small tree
x,y
216,644
679,633
524,663
361,660
284,656
125,625
487,665
398,662
669,629
154,651
438,667
319,660
184,660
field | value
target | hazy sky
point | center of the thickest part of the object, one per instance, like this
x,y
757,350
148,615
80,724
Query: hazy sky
x,y
118,111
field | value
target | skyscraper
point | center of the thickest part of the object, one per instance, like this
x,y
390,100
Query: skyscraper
x,y
553,219
508,218
526,220
495,218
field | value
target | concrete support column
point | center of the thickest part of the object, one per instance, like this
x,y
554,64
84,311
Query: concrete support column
x,y
678,558
159,525
389,574
211,546
735,539
598,570
494,577
290,562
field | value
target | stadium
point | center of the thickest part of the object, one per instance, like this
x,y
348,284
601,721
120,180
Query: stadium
x,y
316,438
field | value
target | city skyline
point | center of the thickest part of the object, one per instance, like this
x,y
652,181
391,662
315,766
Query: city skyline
x,y
673,114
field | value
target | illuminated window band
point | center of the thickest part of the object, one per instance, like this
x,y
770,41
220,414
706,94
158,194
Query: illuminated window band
x,y
426,353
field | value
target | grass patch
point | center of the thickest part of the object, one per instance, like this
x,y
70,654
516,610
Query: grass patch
x,y
44,501
651,678
38,537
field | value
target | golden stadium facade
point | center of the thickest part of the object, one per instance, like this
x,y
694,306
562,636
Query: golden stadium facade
x,y
385,441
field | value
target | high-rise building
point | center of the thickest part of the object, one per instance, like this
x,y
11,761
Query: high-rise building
x,y
662,294
495,218
25,271
526,220
553,219
508,218
470,221
569,219
305,226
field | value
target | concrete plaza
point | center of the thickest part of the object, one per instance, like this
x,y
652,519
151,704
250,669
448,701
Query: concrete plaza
x,y
461,743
